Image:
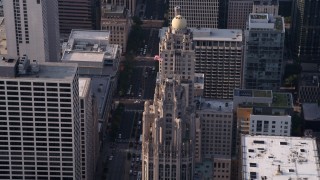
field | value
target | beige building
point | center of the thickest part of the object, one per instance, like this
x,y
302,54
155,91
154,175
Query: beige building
x,y
202,13
216,117
117,20
239,10
214,138
168,137
219,55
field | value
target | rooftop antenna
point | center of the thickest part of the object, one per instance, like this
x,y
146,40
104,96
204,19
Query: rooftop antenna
x,y
177,11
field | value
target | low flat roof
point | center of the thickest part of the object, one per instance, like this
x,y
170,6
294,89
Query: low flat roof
x,y
83,56
220,105
210,34
252,93
90,34
262,156
217,34
311,111
100,87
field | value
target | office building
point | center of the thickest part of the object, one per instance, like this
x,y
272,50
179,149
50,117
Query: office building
x,y
265,106
99,60
277,157
89,129
219,55
128,4
305,30
214,138
116,20
40,120
32,28
93,52
239,10
263,55
203,14
216,117
169,122
78,14
309,83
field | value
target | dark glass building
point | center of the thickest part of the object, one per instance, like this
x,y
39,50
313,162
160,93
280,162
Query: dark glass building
x,y
78,14
305,30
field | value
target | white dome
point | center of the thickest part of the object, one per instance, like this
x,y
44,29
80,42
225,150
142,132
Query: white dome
x,y
179,22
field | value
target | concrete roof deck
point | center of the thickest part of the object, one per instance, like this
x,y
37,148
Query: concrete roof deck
x,y
263,155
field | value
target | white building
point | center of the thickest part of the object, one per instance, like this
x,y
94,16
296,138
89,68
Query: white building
x,y
263,55
270,125
219,55
203,14
32,28
89,130
239,10
40,120
277,157
93,52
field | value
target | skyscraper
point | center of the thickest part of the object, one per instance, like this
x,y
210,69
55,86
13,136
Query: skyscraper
x,y
199,13
40,120
263,56
32,28
219,54
169,123
305,30
78,14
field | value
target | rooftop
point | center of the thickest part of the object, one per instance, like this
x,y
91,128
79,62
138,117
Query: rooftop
x,y
203,170
210,34
263,98
215,105
310,79
112,11
263,21
46,70
311,111
84,87
253,93
266,2
277,158
100,87
89,46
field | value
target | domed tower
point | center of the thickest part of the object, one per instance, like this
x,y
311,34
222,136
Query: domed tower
x,y
169,123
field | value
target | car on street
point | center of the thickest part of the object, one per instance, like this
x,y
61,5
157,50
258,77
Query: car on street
x,y
110,158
